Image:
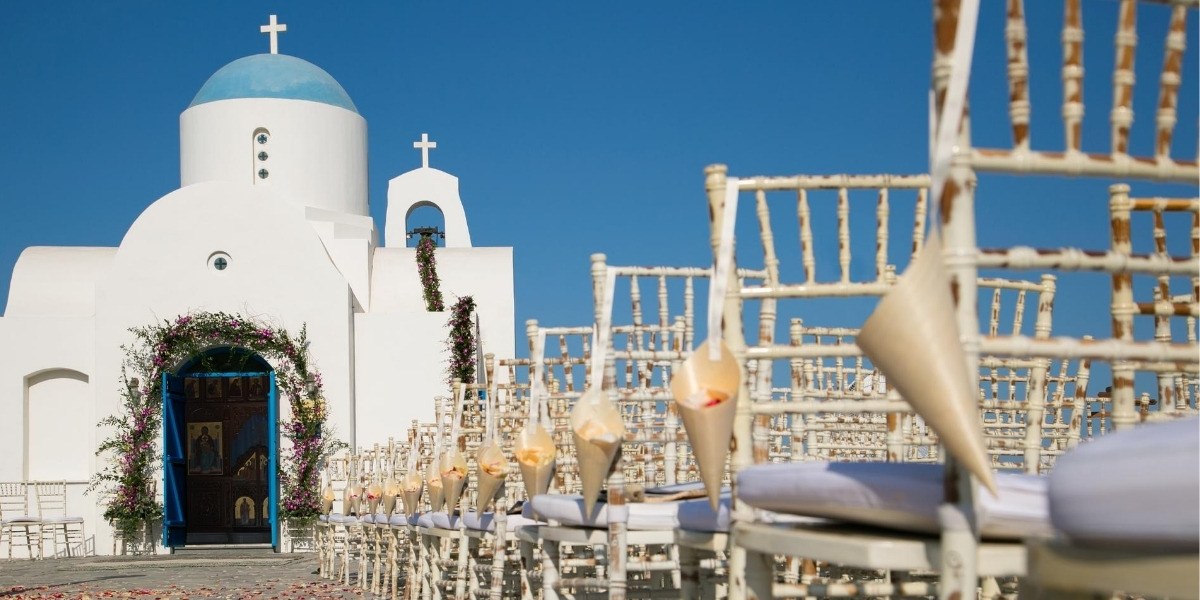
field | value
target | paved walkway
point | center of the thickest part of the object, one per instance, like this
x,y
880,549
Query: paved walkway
x,y
253,575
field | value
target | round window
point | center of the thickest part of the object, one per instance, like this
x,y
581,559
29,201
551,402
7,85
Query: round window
x,y
218,261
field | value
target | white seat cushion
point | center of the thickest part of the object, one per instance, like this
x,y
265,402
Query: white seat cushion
x,y
902,496
62,520
439,520
21,519
698,515
343,519
323,518
398,520
568,510
487,521
1133,488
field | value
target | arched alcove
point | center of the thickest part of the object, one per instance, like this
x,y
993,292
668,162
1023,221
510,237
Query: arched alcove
x,y
424,215
58,420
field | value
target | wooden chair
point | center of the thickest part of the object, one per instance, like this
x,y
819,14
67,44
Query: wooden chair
x,y
953,30
52,510
16,521
841,408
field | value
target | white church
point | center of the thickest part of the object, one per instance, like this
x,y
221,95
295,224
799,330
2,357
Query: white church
x,y
277,142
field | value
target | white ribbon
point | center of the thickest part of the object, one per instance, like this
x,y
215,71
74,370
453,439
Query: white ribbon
x,y
603,332
537,385
941,149
719,285
458,408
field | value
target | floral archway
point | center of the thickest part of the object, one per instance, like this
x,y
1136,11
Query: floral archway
x,y
132,474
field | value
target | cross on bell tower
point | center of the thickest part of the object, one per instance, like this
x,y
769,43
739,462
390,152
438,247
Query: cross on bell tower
x,y
274,29
425,146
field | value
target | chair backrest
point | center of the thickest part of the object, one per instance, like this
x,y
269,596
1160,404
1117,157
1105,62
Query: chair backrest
x,y
567,376
1023,155
1170,309
51,498
957,204
14,499
829,412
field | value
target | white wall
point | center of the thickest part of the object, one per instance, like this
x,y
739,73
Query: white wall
x,y
59,415
30,347
401,355
279,272
317,152
425,187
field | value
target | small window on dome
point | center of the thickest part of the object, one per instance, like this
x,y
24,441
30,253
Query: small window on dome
x,y
218,261
259,153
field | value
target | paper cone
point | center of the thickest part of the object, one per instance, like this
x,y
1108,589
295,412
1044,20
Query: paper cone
x,y
412,488
433,479
490,458
454,478
913,338
327,497
598,431
698,382
374,496
391,489
535,456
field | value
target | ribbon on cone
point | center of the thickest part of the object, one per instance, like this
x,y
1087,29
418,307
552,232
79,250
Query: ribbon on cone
x,y
705,387
534,448
454,465
918,313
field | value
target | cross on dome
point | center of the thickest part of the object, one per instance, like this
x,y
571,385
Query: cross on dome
x,y
274,29
425,146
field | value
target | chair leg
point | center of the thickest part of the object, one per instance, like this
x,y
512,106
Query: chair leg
x,y
550,553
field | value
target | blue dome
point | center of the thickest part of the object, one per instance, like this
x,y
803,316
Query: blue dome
x,y
273,76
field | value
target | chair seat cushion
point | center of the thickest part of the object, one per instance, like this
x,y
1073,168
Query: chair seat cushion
x,y
323,518
1131,488
398,520
63,520
21,520
698,515
381,519
438,520
487,521
902,496
568,510
343,519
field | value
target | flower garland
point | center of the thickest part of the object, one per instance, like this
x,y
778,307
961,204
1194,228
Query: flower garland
x,y
461,342
427,269
133,475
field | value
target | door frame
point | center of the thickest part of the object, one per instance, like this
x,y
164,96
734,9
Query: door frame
x,y
175,455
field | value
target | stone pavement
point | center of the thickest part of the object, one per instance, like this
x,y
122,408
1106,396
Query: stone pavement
x,y
248,575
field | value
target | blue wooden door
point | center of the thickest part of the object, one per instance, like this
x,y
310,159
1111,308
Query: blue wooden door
x,y
273,461
174,525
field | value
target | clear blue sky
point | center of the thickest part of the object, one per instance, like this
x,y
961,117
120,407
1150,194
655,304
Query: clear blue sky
x,y
573,128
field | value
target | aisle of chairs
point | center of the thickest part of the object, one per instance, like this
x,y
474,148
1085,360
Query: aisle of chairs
x,y
791,444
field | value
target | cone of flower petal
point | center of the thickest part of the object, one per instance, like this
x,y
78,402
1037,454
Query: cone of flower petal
x,y
598,431
327,497
535,451
410,490
705,392
454,477
374,495
350,499
391,489
912,337
433,478
493,468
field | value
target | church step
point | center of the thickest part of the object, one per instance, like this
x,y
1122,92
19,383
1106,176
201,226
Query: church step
x,y
215,550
